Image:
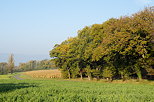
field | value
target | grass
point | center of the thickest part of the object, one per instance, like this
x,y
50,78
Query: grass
x,y
7,76
53,90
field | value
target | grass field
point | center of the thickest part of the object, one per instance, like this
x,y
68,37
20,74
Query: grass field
x,y
53,90
9,76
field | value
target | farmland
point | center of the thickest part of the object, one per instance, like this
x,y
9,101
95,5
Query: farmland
x,y
53,90
44,74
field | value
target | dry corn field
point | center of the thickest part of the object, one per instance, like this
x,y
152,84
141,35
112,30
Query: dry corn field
x,y
44,73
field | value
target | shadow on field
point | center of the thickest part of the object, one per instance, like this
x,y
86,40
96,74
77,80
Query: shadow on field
x,y
5,87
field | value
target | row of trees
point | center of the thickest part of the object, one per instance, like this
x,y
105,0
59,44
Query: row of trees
x,y
9,67
36,65
6,68
118,48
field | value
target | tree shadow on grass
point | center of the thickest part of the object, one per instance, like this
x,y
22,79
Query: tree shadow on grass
x,y
5,87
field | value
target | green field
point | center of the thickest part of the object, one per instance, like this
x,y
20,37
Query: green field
x,y
9,76
12,90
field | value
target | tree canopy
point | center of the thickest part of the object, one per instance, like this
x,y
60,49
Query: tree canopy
x,y
118,48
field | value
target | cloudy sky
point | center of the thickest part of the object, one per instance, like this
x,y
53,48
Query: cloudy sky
x,y
30,28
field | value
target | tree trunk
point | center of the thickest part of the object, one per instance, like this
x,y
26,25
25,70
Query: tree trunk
x,y
69,74
107,79
81,75
123,78
98,78
89,76
139,75
11,70
138,72
111,79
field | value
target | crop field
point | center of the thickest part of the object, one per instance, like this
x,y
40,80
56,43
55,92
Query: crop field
x,y
7,76
44,73
28,90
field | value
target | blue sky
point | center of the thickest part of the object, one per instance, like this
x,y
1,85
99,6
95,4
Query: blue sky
x,y
33,27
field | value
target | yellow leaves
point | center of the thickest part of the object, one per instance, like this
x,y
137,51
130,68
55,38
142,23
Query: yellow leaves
x,y
126,36
107,72
97,53
64,47
144,42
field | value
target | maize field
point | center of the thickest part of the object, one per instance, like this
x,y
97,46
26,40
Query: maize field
x,y
44,73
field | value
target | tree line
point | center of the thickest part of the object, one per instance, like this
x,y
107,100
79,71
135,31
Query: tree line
x,y
119,48
9,67
36,65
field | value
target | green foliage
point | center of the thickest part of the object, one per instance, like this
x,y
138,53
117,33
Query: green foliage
x,y
73,91
3,68
36,65
123,46
64,74
107,73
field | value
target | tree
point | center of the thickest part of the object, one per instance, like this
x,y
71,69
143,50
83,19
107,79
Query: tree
x,y
63,59
118,47
3,68
11,63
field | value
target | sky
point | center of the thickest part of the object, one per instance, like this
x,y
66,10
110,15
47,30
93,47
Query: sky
x,y
30,28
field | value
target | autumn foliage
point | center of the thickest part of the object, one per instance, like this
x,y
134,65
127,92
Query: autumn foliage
x,y
118,48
